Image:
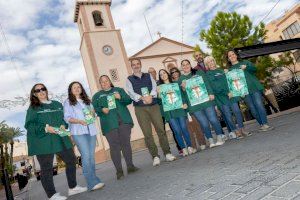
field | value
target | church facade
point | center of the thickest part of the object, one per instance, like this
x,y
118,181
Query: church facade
x,y
103,52
164,53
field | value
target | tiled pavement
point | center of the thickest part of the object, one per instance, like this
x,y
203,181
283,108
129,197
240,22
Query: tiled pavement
x,y
262,166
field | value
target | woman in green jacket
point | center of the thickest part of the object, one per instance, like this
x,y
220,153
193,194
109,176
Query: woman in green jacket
x,y
177,118
223,98
255,88
43,119
204,112
110,104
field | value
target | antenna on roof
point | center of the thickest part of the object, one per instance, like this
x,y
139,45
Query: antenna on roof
x,y
148,27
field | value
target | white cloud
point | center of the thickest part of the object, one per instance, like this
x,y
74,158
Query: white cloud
x,y
21,15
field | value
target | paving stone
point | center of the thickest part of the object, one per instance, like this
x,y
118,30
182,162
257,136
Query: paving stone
x,y
248,187
282,179
288,191
259,193
222,191
232,196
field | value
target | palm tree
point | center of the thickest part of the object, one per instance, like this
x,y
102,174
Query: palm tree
x,y
12,134
3,128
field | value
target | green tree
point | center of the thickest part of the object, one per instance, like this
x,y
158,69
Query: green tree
x,y
285,60
231,30
265,64
7,137
197,48
13,133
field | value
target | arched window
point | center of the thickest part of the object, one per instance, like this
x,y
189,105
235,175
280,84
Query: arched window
x,y
97,18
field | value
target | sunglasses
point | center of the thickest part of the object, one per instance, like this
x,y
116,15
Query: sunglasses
x,y
40,90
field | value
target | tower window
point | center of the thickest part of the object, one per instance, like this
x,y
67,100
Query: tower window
x,y
114,75
97,18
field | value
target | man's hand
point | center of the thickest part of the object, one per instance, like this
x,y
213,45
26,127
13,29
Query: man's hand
x,y
184,106
211,97
230,95
147,99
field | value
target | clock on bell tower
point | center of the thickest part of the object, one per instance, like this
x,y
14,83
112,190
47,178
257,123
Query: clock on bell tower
x,y
102,48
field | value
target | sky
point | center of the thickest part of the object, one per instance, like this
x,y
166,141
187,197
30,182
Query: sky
x,y
44,40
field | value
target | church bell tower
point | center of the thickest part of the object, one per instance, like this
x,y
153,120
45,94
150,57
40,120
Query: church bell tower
x,y
102,51
101,46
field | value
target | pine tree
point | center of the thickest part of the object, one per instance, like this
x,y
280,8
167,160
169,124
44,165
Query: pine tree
x,y
231,30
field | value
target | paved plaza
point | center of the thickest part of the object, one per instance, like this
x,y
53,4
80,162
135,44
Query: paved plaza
x,y
262,166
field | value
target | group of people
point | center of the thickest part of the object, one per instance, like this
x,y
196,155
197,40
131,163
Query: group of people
x,y
46,118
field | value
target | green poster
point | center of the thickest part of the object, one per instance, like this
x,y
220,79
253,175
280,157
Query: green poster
x,y
88,115
111,102
196,90
145,91
62,133
237,83
170,96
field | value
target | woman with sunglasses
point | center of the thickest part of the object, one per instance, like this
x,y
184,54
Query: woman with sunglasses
x,y
194,128
255,88
43,118
110,104
79,113
177,118
205,113
225,103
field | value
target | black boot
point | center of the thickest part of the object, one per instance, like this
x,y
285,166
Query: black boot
x,y
132,169
120,174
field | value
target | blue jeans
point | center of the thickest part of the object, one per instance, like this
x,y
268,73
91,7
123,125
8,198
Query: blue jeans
x,y
227,113
206,117
179,126
256,106
86,146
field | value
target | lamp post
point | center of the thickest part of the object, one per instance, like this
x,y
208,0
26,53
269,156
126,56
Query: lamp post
x,y
5,177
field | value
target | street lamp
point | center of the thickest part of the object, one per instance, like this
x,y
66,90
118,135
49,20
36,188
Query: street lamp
x,y
5,177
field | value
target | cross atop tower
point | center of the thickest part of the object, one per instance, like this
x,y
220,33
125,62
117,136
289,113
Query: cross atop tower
x,y
159,34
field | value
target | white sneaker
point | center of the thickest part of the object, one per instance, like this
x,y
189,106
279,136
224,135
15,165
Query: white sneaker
x,y
156,161
170,157
185,152
202,147
246,133
191,150
211,143
220,141
57,196
98,186
266,127
77,190
232,135
224,137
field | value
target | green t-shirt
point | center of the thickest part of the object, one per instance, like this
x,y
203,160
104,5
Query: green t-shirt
x,y
39,142
117,112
